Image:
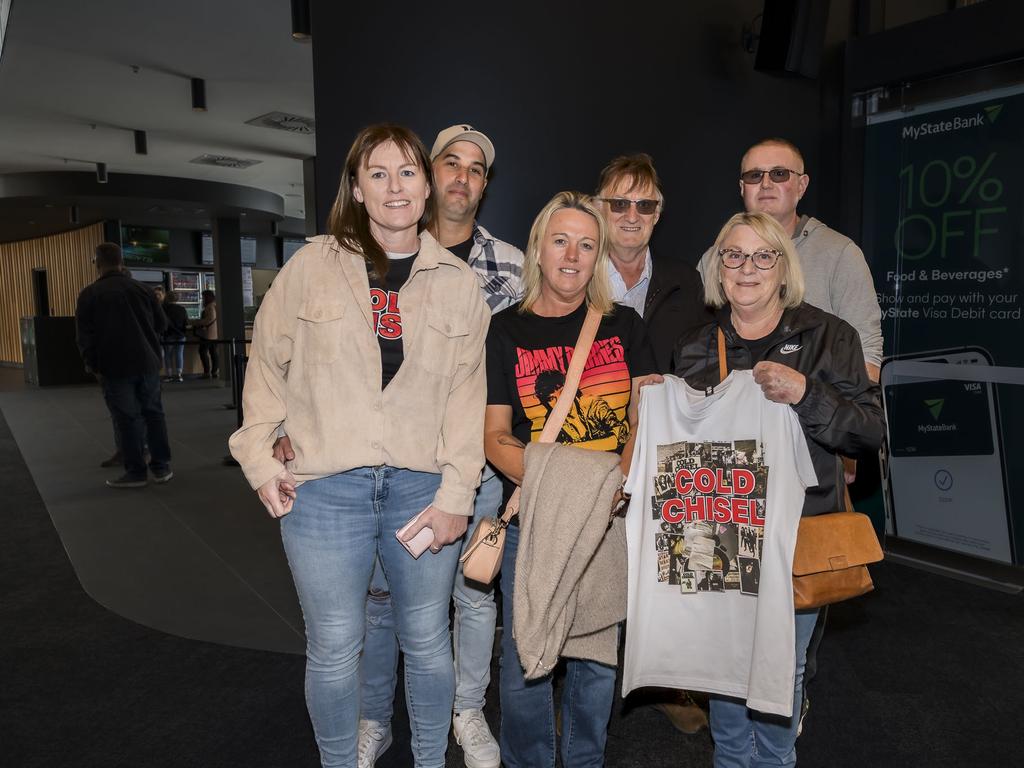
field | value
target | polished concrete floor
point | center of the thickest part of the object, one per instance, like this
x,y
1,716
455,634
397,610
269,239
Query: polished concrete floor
x,y
197,557
923,671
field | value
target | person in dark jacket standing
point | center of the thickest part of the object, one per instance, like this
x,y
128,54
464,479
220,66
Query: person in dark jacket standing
x,y
177,324
667,294
808,359
119,324
206,330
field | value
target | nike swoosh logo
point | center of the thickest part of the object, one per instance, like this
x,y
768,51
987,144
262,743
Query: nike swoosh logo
x,y
788,349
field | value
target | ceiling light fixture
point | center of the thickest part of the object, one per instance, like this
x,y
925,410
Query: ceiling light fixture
x,y
141,145
198,94
101,173
301,28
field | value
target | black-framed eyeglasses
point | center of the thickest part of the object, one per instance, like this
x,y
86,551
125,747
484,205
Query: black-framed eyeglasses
x,y
762,258
621,205
777,175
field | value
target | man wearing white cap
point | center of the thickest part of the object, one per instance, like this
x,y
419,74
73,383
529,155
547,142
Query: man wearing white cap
x,y
462,158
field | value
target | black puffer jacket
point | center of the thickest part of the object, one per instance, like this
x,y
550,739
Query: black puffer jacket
x,y
840,411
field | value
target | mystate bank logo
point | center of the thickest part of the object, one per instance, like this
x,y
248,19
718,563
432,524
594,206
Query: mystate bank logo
x,y
934,407
986,116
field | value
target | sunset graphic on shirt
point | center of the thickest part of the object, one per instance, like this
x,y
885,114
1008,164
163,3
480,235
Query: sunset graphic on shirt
x,y
597,419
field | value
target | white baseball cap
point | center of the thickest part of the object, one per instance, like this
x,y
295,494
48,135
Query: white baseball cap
x,y
462,132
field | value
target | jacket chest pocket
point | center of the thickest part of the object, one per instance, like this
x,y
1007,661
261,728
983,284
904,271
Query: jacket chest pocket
x,y
441,342
320,331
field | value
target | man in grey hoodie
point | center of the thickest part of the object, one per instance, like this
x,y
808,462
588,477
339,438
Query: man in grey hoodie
x,y
773,179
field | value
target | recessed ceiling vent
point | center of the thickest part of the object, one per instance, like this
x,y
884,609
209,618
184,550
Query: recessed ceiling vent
x,y
223,161
282,121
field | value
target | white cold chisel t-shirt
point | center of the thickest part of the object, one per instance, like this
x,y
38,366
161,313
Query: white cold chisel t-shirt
x,y
717,485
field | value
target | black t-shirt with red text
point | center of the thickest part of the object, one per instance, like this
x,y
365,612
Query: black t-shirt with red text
x,y
387,317
527,358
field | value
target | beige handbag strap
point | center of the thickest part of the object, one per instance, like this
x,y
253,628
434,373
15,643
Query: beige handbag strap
x,y
723,366
572,382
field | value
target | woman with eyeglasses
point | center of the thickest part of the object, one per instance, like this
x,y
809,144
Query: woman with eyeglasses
x,y
808,359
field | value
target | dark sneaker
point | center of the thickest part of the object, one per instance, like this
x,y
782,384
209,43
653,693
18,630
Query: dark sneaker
x,y
163,476
127,481
684,713
113,461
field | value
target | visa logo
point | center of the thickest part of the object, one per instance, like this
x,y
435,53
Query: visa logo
x,y
974,386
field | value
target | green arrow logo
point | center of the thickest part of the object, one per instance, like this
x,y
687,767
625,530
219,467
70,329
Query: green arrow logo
x,y
935,406
993,112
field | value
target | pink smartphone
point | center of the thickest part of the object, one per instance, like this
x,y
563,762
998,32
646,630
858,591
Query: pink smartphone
x,y
419,543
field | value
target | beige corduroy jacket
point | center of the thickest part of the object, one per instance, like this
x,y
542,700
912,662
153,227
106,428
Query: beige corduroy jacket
x,y
315,370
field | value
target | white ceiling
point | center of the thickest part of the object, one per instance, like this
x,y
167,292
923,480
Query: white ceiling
x,y
69,96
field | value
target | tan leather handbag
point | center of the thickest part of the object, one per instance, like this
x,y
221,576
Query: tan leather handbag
x,y
482,559
830,562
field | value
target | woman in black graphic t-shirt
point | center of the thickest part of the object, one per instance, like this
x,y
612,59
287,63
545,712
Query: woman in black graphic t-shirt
x,y
528,350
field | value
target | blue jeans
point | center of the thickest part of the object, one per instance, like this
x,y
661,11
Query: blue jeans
x,y
138,413
379,672
338,526
475,616
527,707
174,355
748,739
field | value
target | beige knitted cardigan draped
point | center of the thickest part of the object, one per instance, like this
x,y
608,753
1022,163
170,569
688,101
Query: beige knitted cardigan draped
x,y
570,590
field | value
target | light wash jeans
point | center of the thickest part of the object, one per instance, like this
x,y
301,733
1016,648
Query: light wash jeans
x,y
339,525
475,616
748,739
174,355
527,707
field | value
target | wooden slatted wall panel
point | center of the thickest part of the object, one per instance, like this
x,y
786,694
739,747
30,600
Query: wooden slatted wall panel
x,y
67,258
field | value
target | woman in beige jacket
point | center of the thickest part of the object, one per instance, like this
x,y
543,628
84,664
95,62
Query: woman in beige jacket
x,y
368,350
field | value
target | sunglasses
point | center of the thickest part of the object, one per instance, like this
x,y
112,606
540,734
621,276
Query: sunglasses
x,y
777,175
621,205
764,258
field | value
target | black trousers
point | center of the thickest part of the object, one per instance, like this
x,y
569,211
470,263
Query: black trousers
x,y
208,356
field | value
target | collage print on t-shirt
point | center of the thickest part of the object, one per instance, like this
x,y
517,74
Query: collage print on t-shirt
x,y
597,418
710,499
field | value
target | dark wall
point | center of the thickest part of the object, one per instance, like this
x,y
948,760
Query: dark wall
x,y
561,88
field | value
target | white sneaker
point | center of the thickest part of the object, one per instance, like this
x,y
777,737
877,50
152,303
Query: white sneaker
x,y
478,745
374,740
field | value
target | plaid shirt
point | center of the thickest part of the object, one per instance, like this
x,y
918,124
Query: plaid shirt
x,y
498,267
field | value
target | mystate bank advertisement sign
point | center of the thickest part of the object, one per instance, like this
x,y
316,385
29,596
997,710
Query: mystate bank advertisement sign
x,y
944,236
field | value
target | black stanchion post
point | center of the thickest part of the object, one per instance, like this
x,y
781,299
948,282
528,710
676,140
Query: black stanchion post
x,y
238,361
233,376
